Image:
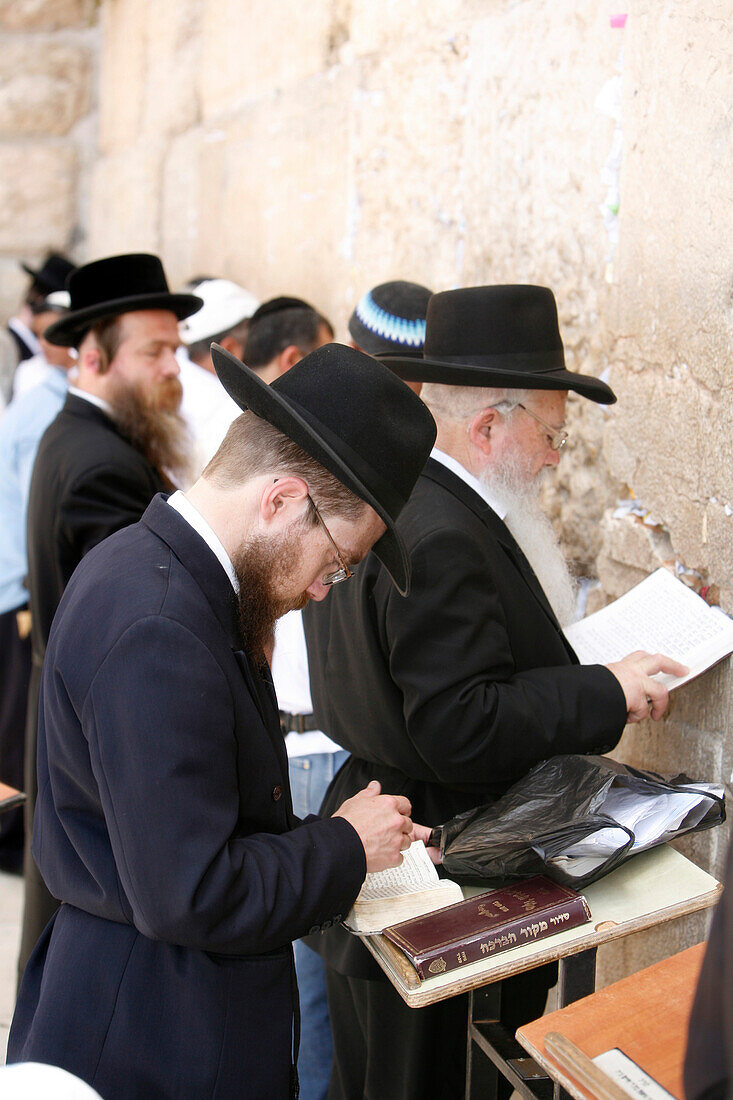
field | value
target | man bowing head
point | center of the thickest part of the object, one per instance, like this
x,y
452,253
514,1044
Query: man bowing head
x,y
164,819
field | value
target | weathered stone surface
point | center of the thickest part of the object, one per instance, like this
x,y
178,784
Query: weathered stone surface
x,y
13,284
37,185
674,276
153,51
253,50
272,207
47,15
44,88
374,26
125,201
173,67
667,419
123,73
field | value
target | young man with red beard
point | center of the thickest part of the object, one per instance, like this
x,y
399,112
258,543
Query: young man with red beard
x,y
118,440
164,818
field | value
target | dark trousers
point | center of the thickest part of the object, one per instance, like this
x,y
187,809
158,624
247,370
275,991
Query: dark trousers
x,y
15,668
384,1050
40,906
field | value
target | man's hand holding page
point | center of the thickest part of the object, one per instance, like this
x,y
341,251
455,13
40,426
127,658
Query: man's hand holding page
x,y
383,824
645,697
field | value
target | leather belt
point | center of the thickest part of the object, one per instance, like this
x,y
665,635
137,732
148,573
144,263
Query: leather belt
x,y
297,723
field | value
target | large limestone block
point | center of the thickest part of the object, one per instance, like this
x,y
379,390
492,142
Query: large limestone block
x,y
125,201
251,50
123,73
44,88
673,448
181,211
149,71
371,26
534,149
406,192
13,284
37,187
174,42
677,188
273,209
46,15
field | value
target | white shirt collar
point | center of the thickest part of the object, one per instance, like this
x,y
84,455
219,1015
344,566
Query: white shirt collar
x,y
455,467
26,334
92,399
183,506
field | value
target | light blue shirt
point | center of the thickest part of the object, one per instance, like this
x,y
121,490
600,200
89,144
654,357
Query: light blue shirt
x,y
21,427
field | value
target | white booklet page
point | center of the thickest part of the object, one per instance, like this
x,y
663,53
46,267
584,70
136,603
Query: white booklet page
x,y
660,615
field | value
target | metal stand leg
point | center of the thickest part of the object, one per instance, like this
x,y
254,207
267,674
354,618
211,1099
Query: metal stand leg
x,y
481,1074
491,1050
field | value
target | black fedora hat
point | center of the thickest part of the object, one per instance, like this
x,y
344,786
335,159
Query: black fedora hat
x,y
497,336
52,274
117,284
356,418
391,317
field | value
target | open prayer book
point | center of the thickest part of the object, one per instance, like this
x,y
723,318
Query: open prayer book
x,y
399,893
659,615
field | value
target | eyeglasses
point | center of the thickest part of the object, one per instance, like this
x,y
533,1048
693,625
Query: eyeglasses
x,y
558,436
343,573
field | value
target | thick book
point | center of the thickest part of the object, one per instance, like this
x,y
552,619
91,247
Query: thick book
x,y
659,615
488,924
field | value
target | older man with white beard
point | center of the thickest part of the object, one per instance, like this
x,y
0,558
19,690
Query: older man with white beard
x,y
453,693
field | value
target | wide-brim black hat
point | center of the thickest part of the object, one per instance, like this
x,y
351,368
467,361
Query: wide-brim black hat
x,y
356,418
391,318
112,286
52,274
496,336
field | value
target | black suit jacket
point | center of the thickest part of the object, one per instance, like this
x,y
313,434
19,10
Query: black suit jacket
x,y
452,693
164,821
88,481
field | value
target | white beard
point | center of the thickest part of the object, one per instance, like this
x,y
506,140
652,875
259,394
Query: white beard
x,y
511,485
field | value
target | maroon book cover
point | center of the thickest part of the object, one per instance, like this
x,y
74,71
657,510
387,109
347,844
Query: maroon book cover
x,y
488,924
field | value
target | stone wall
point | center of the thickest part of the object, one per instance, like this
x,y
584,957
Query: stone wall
x,y
47,77
319,149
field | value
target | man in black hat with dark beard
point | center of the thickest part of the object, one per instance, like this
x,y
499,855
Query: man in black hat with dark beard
x,y
118,440
164,820
455,692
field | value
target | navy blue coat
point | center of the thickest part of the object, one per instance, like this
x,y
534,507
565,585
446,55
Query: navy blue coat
x,y
164,823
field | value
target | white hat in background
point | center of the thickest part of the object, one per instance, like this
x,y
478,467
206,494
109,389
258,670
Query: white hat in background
x,y
225,306
57,300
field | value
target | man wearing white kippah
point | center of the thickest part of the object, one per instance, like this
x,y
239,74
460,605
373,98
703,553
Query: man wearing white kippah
x,y
223,319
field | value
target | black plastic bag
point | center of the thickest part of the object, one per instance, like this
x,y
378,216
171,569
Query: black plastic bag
x,y
574,819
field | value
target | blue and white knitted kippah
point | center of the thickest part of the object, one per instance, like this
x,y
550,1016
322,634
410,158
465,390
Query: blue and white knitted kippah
x,y
396,329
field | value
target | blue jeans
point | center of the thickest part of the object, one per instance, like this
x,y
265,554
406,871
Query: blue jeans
x,y
309,778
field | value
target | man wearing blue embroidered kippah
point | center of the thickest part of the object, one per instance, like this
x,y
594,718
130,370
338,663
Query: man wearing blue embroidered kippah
x,y
391,317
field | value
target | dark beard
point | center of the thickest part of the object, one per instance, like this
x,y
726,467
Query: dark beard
x,y
150,420
261,565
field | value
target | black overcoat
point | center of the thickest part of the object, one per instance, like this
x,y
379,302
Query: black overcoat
x,y
451,694
88,481
164,823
